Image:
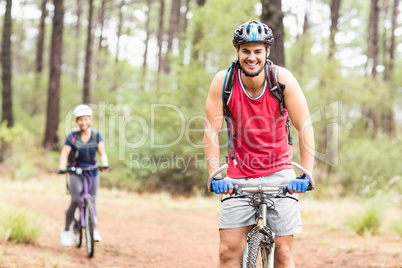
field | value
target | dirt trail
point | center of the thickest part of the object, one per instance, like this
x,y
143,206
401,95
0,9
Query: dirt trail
x,y
158,231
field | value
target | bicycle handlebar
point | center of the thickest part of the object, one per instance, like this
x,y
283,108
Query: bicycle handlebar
x,y
216,172
281,190
299,167
79,170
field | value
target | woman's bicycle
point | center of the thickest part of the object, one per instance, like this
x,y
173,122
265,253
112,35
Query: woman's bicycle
x,y
86,216
260,246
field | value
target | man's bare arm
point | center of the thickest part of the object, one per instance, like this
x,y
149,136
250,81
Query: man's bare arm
x,y
213,122
297,107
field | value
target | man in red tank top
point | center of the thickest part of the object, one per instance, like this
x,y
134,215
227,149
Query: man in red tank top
x,y
263,155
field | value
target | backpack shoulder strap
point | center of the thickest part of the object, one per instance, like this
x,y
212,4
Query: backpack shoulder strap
x,y
95,137
226,91
277,88
228,86
74,149
76,137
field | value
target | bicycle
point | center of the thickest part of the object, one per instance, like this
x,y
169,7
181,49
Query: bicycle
x,y
86,218
260,245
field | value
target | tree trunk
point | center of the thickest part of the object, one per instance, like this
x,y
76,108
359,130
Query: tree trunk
x,y
160,36
119,26
148,34
7,107
372,48
201,2
41,38
53,104
101,21
302,40
306,24
383,16
335,5
197,37
37,103
88,58
272,16
6,77
372,60
389,123
390,68
173,31
77,38
183,28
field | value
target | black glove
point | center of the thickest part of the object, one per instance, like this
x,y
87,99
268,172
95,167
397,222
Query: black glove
x,y
62,171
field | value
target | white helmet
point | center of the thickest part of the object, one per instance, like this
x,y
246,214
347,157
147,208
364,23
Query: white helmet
x,y
82,110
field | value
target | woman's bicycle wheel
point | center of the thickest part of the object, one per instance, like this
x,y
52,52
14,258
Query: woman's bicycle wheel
x,y
89,228
77,233
259,247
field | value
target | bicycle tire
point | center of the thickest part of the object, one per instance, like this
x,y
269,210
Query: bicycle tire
x,y
77,233
89,228
258,251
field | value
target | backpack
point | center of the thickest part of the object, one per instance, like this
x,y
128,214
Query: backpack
x,y
276,88
77,144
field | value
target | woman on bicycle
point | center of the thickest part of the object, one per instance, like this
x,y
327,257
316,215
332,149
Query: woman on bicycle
x,y
80,150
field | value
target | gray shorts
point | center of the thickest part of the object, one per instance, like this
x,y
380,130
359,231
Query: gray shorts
x,y
284,220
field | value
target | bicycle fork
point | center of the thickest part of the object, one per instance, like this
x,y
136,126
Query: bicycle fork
x,y
261,224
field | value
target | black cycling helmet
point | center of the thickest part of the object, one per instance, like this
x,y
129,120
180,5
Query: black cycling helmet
x,y
253,31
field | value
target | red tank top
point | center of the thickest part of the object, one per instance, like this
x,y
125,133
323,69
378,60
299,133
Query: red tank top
x,y
261,146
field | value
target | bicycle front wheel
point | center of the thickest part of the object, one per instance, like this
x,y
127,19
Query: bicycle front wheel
x,y
89,228
77,233
259,247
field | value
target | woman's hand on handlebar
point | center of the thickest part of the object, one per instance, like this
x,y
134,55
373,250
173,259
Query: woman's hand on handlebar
x,y
104,168
62,171
221,186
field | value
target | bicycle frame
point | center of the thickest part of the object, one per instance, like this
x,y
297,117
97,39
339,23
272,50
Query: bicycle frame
x,y
86,195
87,214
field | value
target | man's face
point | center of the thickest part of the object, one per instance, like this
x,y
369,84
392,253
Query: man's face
x,y
252,57
84,122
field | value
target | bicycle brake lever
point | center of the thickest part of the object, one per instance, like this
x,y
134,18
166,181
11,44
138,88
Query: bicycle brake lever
x,y
236,190
284,191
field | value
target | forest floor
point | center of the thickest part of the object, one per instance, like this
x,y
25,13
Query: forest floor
x,y
157,230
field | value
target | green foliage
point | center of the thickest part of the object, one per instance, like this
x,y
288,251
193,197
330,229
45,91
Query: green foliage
x,y
216,43
152,150
19,225
300,61
158,118
22,141
397,226
14,134
368,221
368,166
